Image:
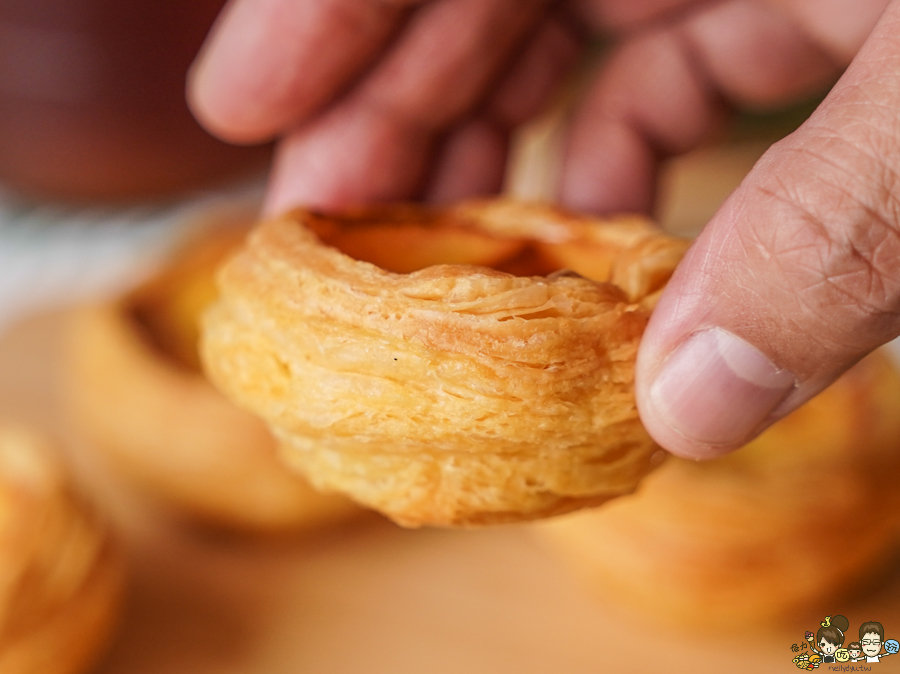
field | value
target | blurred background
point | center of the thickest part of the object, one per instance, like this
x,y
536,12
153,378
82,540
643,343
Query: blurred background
x,y
107,185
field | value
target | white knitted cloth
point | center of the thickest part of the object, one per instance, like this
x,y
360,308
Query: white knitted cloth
x,y
51,257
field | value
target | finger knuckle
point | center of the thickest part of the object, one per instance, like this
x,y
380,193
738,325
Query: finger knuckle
x,y
839,244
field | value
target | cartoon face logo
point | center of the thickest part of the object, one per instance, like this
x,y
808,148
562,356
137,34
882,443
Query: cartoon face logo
x,y
826,646
842,655
892,646
871,644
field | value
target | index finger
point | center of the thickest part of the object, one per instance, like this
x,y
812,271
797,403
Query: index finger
x,y
267,63
669,88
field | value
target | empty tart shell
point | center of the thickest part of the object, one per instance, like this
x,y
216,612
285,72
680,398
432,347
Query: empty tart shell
x,y
137,394
61,573
457,366
794,519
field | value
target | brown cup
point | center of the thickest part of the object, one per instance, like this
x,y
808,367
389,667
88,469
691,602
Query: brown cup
x,y
92,103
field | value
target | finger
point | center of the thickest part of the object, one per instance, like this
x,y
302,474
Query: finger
x,y
472,160
378,142
618,15
758,56
793,280
650,101
471,163
840,26
351,155
538,72
268,63
451,52
664,93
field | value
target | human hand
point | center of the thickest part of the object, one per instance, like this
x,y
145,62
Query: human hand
x,y
794,279
380,99
395,99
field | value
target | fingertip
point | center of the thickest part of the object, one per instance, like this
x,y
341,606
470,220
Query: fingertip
x,y
675,443
658,423
710,394
351,155
471,163
268,65
214,117
213,91
608,167
204,103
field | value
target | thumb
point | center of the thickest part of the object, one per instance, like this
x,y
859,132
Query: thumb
x,y
794,279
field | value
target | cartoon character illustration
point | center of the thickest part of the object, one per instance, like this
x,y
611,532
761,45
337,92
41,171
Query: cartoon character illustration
x,y
830,637
807,661
827,645
871,638
854,651
802,661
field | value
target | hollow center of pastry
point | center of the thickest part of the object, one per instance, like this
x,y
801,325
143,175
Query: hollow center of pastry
x,y
167,309
408,247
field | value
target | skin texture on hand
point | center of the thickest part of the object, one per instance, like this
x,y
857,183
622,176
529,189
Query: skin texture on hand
x,y
791,282
796,275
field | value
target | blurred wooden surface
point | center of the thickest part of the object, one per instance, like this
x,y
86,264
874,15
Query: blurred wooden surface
x,y
372,598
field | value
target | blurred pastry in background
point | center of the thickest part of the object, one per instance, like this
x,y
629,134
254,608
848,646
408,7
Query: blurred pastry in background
x,y
803,513
465,365
61,573
135,391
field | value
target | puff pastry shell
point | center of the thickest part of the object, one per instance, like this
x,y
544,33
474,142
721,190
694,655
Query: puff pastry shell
x,y
61,575
135,390
778,528
446,394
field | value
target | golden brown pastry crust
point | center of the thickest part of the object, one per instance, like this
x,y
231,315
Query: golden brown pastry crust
x,y
168,429
455,394
796,517
61,574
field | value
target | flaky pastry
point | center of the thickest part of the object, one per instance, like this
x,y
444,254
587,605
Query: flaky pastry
x,y
449,366
136,392
61,574
793,519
